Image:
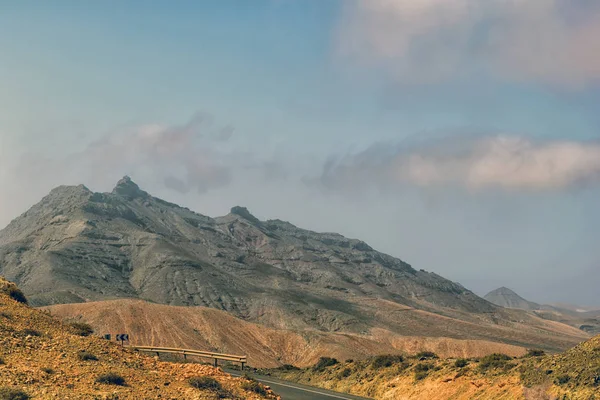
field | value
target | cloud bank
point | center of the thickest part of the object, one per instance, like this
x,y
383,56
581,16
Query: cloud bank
x,y
555,42
498,162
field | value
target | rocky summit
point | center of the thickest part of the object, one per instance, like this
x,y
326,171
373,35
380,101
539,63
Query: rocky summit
x,y
77,246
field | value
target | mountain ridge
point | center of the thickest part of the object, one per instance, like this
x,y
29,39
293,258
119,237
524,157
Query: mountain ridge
x,y
78,246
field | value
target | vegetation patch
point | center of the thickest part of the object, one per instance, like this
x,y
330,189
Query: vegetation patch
x,y
419,376
495,361
535,353
325,362
13,394
252,385
562,379
14,293
424,367
111,379
386,361
86,356
426,355
30,332
461,363
81,329
48,371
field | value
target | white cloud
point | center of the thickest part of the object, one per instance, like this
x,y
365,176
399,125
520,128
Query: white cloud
x,y
506,162
555,42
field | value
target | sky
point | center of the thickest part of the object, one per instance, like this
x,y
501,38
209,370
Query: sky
x,y
461,136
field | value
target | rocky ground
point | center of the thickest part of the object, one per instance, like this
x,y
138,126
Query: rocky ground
x,y
573,375
46,359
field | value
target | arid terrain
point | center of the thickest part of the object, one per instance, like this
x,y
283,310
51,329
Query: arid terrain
x,y
587,320
210,329
573,375
46,359
317,293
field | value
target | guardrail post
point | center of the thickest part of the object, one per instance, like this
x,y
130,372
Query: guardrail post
x,y
242,365
216,363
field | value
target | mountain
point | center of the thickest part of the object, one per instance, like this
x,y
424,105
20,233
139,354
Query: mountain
x,y
584,319
46,359
77,246
504,297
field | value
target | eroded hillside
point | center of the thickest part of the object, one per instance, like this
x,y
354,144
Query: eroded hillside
x,y
46,359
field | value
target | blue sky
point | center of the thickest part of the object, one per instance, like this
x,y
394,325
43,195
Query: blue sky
x,y
461,136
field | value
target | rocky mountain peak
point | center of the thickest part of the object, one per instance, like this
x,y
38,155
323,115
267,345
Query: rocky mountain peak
x,y
127,187
244,213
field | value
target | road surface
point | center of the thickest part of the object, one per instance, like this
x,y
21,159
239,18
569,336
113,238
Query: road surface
x,y
295,391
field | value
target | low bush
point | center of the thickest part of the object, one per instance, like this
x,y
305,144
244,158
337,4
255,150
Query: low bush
x,y
346,372
535,353
81,329
495,361
425,355
86,356
461,363
2,361
49,371
562,379
423,367
325,362
205,383
289,367
419,376
13,394
30,332
111,379
14,293
252,385
385,361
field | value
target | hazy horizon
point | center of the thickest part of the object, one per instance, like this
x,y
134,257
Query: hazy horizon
x,y
460,136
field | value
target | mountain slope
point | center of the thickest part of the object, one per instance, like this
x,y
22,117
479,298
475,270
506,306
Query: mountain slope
x,y
504,297
588,321
79,246
573,375
41,356
214,330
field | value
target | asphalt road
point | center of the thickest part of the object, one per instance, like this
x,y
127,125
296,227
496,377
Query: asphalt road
x,y
294,391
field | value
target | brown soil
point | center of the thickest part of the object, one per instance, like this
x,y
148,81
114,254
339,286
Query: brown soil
x,y
40,356
208,329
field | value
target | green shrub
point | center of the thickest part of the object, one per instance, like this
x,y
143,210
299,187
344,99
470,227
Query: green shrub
x,y
49,371
2,361
346,372
13,394
420,375
423,367
385,361
289,367
111,379
325,362
86,356
81,329
426,355
205,383
535,353
461,363
495,361
14,293
562,379
252,385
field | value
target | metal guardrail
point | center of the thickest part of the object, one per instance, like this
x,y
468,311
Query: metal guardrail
x,y
186,352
